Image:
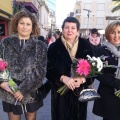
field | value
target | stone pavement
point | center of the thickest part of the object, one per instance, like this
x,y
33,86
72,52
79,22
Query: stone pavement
x,y
44,112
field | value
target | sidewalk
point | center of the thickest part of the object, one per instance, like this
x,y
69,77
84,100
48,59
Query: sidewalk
x,y
45,114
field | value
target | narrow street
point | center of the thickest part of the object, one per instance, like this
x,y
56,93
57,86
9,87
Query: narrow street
x,y
44,112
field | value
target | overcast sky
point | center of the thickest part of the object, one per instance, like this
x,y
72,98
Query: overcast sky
x,y
63,8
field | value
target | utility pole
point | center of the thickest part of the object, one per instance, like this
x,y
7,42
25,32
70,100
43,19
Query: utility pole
x,y
88,15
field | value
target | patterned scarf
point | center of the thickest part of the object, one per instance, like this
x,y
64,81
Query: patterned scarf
x,y
71,48
115,50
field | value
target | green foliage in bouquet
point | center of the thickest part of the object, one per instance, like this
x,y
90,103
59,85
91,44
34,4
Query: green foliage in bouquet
x,y
13,86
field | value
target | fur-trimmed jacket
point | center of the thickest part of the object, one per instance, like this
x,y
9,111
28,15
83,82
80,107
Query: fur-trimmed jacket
x,y
27,66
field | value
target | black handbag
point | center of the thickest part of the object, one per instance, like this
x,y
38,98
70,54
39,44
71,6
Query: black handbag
x,y
88,95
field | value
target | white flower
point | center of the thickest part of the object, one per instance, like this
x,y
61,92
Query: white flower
x,y
89,58
99,64
96,61
93,63
4,75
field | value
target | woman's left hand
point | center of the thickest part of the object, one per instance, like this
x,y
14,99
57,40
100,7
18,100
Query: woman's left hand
x,y
18,95
79,81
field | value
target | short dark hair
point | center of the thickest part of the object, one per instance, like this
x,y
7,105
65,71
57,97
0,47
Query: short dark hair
x,y
73,20
94,31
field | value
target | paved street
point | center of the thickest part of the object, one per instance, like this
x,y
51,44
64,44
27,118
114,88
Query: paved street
x,y
44,112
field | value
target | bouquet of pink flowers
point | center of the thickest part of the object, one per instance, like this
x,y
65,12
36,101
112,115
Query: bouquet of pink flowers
x,y
5,75
87,68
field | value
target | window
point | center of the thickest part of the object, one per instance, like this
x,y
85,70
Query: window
x,y
2,29
88,6
100,21
101,7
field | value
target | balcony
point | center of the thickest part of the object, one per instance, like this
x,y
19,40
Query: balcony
x,y
78,12
31,5
78,1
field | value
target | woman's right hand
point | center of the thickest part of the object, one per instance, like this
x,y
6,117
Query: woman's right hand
x,y
6,87
69,82
18,96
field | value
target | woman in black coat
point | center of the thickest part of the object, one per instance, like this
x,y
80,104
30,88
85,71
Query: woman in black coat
x,y
60,55
108,106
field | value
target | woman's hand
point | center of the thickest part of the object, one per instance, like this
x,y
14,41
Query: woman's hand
x,y
69,82
6,87
79,81
18,96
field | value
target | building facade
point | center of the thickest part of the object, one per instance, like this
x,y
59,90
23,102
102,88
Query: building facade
x,y
5,17
52,17
94,14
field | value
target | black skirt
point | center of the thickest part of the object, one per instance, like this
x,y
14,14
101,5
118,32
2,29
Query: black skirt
x,y
20,109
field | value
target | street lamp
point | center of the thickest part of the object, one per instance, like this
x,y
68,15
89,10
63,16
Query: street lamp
x,y
88,15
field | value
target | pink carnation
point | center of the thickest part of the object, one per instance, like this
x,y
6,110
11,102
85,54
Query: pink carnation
x,y
83,67
3,65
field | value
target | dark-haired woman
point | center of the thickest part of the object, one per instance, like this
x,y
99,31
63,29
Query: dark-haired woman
x,y
60,56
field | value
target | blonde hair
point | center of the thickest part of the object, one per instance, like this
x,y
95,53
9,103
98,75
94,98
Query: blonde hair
x,y
111,27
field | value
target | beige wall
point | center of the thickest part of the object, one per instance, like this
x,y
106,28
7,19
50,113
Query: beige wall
x,y
6,7
97,18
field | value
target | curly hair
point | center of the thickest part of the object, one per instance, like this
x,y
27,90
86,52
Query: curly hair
x,y
22,14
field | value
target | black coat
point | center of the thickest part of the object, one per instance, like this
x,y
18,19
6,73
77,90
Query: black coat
x,y
66,107
108,106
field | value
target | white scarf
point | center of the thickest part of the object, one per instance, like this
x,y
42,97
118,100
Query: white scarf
x,y
116,53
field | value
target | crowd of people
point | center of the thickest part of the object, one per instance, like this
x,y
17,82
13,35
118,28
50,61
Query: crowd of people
x,y
30,61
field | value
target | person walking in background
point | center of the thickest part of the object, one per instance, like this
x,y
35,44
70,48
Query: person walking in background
x,y
94,39
27,60
41,38
60,56
57,34
108,106
51,40
48,38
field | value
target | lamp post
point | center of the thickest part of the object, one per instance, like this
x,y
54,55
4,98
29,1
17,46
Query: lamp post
x,y
88,15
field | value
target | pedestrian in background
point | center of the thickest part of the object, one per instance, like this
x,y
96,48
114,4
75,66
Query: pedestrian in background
x,y
57,34
108,106
41,38
48,38
27,58
51,40
60,56
94,39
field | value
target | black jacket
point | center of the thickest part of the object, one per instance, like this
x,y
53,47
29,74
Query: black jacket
x,y
108,106
66,107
